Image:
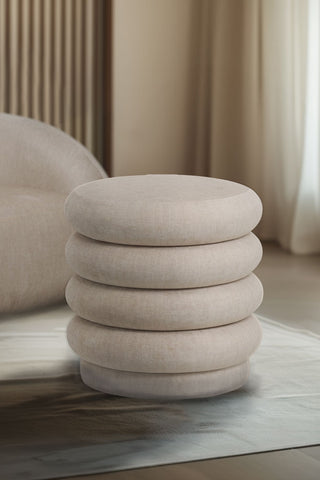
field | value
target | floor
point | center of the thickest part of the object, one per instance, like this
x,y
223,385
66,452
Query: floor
x,y
292,296
291,288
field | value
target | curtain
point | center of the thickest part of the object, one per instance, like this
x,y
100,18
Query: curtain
x,y
257,115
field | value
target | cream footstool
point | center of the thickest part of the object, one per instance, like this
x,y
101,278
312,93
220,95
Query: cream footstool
x,y
163,289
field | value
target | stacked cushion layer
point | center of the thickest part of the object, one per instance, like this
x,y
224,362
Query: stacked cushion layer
x,y
149,309
163,210
164,352
164,386
163,289
163,267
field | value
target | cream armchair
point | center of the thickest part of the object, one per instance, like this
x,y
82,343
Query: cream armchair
x,y
39,166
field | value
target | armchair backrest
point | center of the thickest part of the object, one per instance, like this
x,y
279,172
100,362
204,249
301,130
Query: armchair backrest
x,y
34,154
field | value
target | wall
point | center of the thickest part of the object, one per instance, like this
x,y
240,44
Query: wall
x,y
152,80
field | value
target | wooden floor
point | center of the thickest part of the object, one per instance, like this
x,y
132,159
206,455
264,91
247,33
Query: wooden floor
x,y
291,288
292,296
302,464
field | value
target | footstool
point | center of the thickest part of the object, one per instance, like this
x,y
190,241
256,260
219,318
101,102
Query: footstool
x,y
163,289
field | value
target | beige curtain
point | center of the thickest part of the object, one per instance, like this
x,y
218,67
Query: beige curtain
x,y
253,123
228,88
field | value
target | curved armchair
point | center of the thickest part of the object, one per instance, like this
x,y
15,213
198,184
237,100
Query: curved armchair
x,y
39,166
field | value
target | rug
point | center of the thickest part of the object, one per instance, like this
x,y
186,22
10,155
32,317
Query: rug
x,y
51,425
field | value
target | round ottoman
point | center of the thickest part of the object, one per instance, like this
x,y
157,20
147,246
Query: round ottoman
x,y
163,289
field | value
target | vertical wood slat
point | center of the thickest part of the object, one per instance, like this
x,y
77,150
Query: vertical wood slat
x,y
14,56
50,52
67,87
35,59
25,63
58,70
47,93
89,55
3,55
79,59
106,94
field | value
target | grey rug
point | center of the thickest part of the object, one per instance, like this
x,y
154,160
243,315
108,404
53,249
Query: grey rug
x,y
51,425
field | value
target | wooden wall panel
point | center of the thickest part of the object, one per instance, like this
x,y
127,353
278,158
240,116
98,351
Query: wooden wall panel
x,y
51,57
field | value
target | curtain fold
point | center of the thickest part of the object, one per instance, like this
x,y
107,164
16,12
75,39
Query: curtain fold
x,y
306,224
258,121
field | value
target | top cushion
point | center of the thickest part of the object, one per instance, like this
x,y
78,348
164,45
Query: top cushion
x,y
163,210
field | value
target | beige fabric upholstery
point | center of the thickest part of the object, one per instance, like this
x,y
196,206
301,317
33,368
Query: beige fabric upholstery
x,y
163,267
39,166
33,232
36,155
164,309
164,386
164,290
163,210
164,352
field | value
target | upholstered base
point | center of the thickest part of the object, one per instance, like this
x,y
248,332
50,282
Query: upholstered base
x,y
163,267
144,309
164,386
164,352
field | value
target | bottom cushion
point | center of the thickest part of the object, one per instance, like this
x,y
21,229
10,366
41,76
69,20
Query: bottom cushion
x,y
33,232
164,352
164,386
